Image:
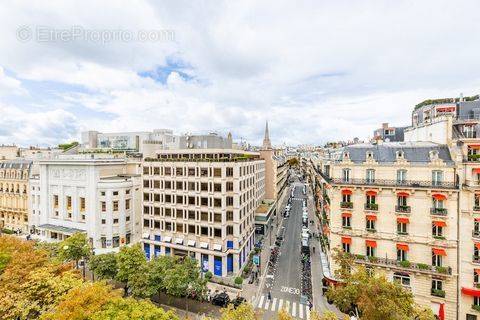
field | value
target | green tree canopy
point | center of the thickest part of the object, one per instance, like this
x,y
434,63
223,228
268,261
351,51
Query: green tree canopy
x,y
104,266
131,309
74,248
130,260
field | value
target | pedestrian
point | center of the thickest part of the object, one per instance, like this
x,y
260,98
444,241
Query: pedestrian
x,y
313,249
310,305
269,295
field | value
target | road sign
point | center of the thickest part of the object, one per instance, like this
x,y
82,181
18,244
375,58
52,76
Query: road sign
x,y
256,259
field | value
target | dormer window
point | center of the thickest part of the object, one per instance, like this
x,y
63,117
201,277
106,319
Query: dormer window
x,y
433,155
369,155
346,155
400,154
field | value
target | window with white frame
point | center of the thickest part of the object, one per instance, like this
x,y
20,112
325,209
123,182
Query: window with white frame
x,y
346,175
402,278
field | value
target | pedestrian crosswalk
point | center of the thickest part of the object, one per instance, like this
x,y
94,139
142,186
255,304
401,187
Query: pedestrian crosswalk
x,y
295,309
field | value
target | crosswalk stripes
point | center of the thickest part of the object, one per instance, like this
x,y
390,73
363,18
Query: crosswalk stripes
x,y
274,302
295,309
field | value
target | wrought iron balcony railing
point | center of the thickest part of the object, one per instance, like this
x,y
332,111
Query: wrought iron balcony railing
x,y
403,209
438,211
394,183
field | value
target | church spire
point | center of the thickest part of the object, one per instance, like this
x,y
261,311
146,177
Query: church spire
x,y
266,139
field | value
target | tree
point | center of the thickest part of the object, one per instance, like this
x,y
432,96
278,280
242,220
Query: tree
x,y
184,279
293,162
129,261
104,266
150,279
131,309
40,292
372,295
74,248
284,315
82,302
243,312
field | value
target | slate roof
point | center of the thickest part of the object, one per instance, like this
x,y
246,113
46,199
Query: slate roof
x,y
16,164
414,152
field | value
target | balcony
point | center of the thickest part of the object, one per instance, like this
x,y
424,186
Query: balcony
x,y
438,293
409,266
403,209
476,208
472,158
476,233
371,206
438,211
395,183
346,205
476,259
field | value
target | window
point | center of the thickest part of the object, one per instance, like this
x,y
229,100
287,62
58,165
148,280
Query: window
x,y
103,240
229,186
370,251
437,230
229,172
55,201
115,205
127,218
476,277
116,241
437,285
402,228
437,177
229,230
115,193
103,204
82,204
217,172
370,224
401,176
128,192
437,203
346,175
436,260
402,201
346,198
476,301
69,203
127,204
402,278
128,237
217,232
346,221
104,221
370,175
401,255
371,199
102,193
115,221
346,247
476,205
229,201
229,215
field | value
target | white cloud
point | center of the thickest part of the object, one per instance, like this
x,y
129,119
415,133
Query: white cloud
x,y
317,70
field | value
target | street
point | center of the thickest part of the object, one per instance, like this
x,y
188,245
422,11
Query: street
x,y
285,287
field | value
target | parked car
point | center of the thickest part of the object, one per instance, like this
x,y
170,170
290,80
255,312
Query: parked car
x,y
222,299
238,301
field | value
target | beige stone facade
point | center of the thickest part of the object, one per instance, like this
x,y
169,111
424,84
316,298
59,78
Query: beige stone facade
x,y
14,176
395,207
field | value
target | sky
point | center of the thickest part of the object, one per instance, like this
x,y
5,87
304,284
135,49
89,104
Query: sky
x,y
318,71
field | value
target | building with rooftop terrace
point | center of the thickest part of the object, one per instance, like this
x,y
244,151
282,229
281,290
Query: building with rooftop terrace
x,y
388,133
95,194
201,203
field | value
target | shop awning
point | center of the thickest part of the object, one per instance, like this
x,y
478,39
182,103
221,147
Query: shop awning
x,y
403,194
471,292
477,271
402,246
347,191
217,247
347,240
371,193
191,243
179,240
371,217
371,243
477,245
203,245
474,146
440,223
346,215
167,239
438,196
477,219
403,220
439,252
476,170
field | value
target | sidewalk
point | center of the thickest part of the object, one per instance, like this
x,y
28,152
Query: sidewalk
x,y
319,301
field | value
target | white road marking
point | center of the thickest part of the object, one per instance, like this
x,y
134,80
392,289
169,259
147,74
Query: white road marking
x,y
300,311
294,309
287,308
261,301
274,302
308,315
280,304
267,304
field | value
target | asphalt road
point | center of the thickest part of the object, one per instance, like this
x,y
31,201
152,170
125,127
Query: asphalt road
x,y
285,292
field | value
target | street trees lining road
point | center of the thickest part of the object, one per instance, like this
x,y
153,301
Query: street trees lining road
x,y
371,294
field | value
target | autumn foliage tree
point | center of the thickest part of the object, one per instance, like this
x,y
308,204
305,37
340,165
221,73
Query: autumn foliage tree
x,y
370,294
